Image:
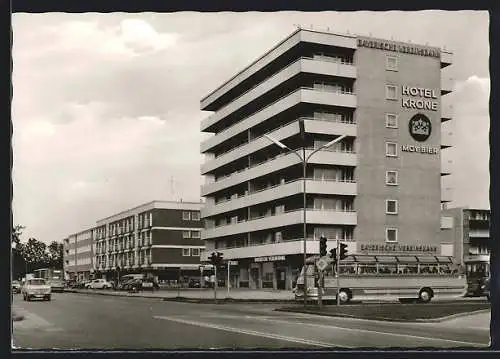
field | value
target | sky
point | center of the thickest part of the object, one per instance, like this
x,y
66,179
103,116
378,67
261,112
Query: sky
x,y
106,107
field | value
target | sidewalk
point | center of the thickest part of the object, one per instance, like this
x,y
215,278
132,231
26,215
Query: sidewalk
x,y
237,294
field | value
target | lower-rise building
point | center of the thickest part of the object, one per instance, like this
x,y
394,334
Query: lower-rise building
x,y
78,256
467,231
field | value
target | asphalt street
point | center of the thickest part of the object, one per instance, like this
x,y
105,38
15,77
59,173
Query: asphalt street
x,y
85,321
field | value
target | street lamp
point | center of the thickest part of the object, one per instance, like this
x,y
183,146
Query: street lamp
x,y
304,161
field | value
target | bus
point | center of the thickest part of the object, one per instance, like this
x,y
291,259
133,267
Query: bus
x,y
477,271
54,277
384,277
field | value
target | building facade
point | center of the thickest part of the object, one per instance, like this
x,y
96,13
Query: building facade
x,y
158,239
379,189
79,256
468,230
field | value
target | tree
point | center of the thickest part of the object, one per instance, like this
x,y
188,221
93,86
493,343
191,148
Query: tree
x,y
17,231
36,255
55,254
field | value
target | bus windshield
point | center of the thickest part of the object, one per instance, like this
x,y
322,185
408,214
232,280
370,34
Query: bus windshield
x,y
480,269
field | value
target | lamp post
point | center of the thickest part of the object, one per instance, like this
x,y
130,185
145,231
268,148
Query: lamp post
x,y
304,161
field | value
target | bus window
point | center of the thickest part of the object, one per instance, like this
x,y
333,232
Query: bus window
x,y
428,269
347,269
444,269
367,269
387,268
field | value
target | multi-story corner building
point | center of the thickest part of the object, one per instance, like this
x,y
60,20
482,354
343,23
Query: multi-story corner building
x,y
158,239
78,261
468,230
379,189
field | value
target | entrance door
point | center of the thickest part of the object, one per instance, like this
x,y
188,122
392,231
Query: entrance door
x,y
280,278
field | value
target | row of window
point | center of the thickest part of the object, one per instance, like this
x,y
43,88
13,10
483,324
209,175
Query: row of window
x,y
193,252
191,216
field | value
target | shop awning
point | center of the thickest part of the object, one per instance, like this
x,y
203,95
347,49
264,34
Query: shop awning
x,y
407,259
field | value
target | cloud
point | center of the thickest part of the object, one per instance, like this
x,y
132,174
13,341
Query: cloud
x,y
106,106
471,152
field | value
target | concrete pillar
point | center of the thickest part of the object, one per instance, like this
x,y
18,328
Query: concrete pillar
x,y
275,277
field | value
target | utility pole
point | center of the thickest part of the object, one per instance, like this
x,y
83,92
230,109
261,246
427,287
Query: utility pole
x,y
228,268
338,272
215,284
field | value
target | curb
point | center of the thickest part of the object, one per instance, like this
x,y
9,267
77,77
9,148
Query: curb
x,y
384,319
187,299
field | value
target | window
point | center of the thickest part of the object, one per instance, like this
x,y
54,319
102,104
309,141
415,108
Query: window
x,y
195,216
186,234
186,216
391,206
391,149
391,120
391,178
195,252
391,63
195,234
391,92
186,252
391,235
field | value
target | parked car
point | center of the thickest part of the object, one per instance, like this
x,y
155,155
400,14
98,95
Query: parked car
x,y
36,288
133,285
16,286
194,283
99,284
123,284
56,285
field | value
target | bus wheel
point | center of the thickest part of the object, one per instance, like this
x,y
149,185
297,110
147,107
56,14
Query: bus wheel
x,y
425,295
344,296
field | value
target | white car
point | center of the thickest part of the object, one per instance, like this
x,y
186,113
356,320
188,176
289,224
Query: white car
x,y
99,284
36,288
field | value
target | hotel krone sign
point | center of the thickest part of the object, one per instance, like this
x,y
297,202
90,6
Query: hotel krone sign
x,y
399,47
419,98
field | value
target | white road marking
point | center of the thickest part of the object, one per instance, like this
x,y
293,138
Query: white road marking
x,y
373,331
252,332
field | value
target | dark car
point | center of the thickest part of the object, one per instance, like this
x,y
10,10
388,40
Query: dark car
x,y
16,286
194,283
122,285
133,285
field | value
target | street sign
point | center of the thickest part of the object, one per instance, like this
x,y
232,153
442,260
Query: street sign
x,y
323,262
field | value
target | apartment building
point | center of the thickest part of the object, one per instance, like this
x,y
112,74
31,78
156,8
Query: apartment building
x,y
468,230
379,189
78,256
159,239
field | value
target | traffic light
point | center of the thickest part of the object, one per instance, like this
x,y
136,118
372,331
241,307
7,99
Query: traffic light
x,y
343,251
216,258
322,246
333,254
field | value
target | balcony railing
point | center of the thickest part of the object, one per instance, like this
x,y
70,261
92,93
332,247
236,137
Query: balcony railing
x,y
253,244
222,201
349,121
275,74
281,213
278,156
281,98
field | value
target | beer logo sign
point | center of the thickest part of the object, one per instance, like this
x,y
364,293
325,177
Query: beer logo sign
x,y
420,127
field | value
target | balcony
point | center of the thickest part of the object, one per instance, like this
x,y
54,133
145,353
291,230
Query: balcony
x,y
446,138
446,113
447,84
446,167
308,65
311,125
292,41
280,191
447,194
303,94
277,163
290,247
280,220
477,233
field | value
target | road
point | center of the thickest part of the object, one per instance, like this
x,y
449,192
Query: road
x,y
85,321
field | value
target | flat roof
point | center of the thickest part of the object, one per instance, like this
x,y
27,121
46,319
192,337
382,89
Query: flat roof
x,y
299,29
